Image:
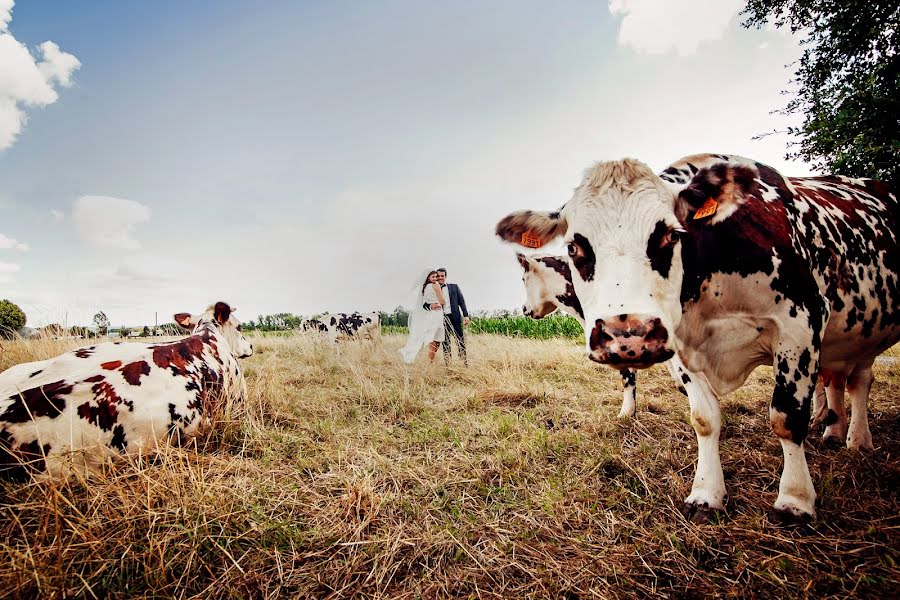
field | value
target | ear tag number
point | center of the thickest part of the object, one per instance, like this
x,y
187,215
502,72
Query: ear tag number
x,y
709,208
529,240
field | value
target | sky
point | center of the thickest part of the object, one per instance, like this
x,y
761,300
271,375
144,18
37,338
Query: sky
x,y
316,156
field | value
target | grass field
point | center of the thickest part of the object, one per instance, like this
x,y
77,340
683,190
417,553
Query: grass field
x,y
348,474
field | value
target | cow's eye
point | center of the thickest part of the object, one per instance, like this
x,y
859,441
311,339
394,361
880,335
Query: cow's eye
x,y
575,250
672,236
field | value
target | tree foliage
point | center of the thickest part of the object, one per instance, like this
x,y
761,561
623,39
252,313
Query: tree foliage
x,y
12,319
101,322
848,82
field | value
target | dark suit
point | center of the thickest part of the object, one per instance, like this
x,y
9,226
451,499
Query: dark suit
x,y
453,323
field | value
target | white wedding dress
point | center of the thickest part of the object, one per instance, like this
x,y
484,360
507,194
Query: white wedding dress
x,y
425,326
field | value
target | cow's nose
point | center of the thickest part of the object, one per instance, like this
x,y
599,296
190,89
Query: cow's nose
x,y
631,340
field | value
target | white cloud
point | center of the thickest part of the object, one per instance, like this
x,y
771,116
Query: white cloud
x,y
5,13
25,82
57,65
658,27
107,222
8,243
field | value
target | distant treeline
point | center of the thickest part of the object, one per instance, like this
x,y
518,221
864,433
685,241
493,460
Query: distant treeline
x,y
498,322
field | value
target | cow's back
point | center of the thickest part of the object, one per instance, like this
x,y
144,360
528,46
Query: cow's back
x,y
847,230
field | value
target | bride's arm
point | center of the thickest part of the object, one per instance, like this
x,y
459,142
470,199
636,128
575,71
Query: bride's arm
x,y
440,295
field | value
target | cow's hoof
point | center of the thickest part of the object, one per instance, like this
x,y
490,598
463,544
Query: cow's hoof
x,y
701,513
863,449
863,444
625,416
790,517
832,442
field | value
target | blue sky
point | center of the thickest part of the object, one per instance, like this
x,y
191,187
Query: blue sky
x,y
304,157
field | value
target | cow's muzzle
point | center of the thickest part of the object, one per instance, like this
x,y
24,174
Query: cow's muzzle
x,y
528,312
634,341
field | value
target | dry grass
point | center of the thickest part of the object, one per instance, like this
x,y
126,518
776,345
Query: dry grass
x,y
347,474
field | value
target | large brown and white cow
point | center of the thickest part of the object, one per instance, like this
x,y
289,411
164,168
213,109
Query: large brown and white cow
x,y
114,399
723,264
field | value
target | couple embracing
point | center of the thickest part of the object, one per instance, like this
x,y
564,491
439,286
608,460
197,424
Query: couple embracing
x,y
438,314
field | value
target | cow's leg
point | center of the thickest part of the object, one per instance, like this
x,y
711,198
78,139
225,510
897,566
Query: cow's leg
x,y
629,388
796,371
820,404
859,384
836,414
677,377
708,491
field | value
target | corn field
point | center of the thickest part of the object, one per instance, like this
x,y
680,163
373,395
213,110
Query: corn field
x,y
553,326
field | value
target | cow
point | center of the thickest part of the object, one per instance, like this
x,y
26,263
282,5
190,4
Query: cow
x,y
723,264
119,399
337,326
548,287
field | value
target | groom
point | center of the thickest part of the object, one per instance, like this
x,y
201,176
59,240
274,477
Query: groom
x,y
456,316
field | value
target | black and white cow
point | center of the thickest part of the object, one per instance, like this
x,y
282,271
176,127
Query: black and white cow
x,y
335,326
548,287
116,399
723,264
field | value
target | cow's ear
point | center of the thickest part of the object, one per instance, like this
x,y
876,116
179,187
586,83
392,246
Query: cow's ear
x,y
716,192
523,261
531,229
222,312
184,320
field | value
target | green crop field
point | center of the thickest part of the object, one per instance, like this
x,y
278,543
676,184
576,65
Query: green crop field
x,y
553,326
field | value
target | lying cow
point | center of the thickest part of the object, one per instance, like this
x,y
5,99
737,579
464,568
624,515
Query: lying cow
x,y
119,398
548,287
725,264
345,326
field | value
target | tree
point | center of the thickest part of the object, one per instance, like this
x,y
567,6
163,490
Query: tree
x,y
848,79
12,319
101,323
145,332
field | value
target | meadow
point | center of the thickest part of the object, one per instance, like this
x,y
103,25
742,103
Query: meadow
x,y
349,475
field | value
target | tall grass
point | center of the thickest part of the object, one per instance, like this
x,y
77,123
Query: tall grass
x,y
347,474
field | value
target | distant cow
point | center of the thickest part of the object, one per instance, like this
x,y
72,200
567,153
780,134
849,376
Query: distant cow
x,y
725,264
119,398
336,326
548,286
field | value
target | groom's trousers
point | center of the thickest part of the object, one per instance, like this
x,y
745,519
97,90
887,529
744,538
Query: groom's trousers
x,y
453,328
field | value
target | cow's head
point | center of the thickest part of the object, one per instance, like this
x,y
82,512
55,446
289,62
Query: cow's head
x,y
543,284
624,229
221,316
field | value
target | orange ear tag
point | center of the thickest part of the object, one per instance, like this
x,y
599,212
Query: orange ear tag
x,y
530,240
709,208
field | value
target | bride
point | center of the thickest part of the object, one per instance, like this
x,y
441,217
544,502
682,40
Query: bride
x,y
426,325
